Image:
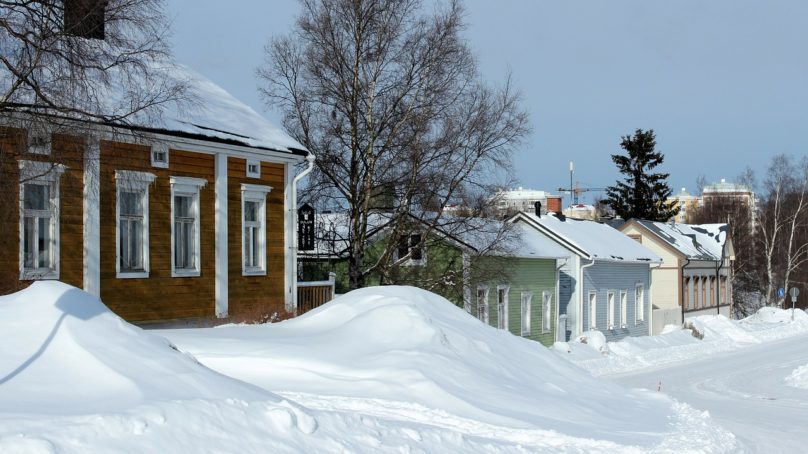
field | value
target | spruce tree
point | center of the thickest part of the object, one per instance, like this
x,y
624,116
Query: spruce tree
x,y
642,194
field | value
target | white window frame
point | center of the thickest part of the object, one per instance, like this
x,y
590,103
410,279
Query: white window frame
x,y
482,315
527,301
188,187
502,306
254,193
156,149
43,174
593,310
546,311
639,303
257,172
410,261
132,181
610,310
623,309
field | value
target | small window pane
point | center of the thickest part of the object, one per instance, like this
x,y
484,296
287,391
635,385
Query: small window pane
x,y
44,243
36,197
251,211
182,206
131,203
29,242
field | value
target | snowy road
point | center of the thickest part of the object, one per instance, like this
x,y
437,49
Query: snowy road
x,y
744,391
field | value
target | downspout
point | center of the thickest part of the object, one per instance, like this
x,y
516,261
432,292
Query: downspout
x,y
560,263
293,230
718,281
581,297
682,296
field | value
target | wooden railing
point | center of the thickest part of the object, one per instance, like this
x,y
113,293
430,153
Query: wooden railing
x,y
314,294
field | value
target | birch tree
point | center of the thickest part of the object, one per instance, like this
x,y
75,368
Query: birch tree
x,y
388,97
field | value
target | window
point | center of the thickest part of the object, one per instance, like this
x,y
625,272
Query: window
x,y
482,304
695,293
159,155
253,221
39,220
527,298
546,312
636,237
253,169
593,310
132,220
639,301
686,292
185,256
623,309
411,244
610,310
39,141
502,306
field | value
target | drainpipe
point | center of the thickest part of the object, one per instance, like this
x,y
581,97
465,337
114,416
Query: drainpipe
x,y
682,296
581,297
560,263
293,229
718,281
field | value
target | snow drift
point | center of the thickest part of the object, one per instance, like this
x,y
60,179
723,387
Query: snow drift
x,y
398,352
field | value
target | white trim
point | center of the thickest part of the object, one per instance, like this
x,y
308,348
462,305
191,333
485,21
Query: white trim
x,y
546,313
483,303
592,310
502,307
92,217
189,187
255,193
133,181
222,289
610,325
159,148
43,174
623,309
639,306
290,251
525,312
255,173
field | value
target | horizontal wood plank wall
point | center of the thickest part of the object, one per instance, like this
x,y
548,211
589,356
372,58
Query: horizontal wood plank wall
x,y
159,297
66,150
255,298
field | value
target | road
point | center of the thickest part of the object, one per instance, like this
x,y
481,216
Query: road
x,y
744,391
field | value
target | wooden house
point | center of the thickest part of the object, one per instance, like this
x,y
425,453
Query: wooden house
x,y
696,273
605,280
189,216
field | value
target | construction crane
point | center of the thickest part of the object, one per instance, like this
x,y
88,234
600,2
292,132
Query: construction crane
x,y
576,190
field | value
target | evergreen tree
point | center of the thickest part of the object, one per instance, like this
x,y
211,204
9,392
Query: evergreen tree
x,y
641,194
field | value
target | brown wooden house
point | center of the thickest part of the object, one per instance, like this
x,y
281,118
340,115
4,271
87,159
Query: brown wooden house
x,y
189,217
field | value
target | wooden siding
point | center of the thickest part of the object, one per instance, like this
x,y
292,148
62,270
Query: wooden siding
x,y
615,276
160,296
66,150
524,275
256,297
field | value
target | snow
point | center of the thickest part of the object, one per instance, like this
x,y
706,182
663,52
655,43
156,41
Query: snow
x,y
390,369
596,240
695,241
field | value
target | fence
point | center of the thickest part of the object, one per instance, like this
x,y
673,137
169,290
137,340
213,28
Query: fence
x,y
314,294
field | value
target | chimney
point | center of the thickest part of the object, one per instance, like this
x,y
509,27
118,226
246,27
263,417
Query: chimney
x,y
554,204
537,207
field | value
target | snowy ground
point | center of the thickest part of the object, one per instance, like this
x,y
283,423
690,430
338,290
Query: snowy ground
x,y
751,376
380,370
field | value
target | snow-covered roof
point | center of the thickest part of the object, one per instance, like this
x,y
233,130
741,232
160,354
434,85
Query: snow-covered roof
x,y
590,239
529,243
725,186
217,114
696,242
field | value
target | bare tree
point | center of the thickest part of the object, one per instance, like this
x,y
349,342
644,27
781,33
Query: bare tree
x,y
390,100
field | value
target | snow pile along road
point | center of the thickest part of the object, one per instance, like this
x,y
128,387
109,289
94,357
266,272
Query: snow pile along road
x,y
407,355
707,335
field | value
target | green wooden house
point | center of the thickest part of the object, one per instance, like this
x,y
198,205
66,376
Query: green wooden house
x,y
524,300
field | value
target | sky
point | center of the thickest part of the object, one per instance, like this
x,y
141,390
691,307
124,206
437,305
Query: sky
x,y
721,82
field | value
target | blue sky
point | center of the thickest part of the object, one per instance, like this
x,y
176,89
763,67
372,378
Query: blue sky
x,y
722,82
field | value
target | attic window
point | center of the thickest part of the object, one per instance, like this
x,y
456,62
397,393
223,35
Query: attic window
x,y
636,237
39,142
411,245
85,18
159,155
253,169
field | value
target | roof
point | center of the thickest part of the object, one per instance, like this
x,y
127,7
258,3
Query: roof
x,y
696,242
529,243
724,186
208,113
590,239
